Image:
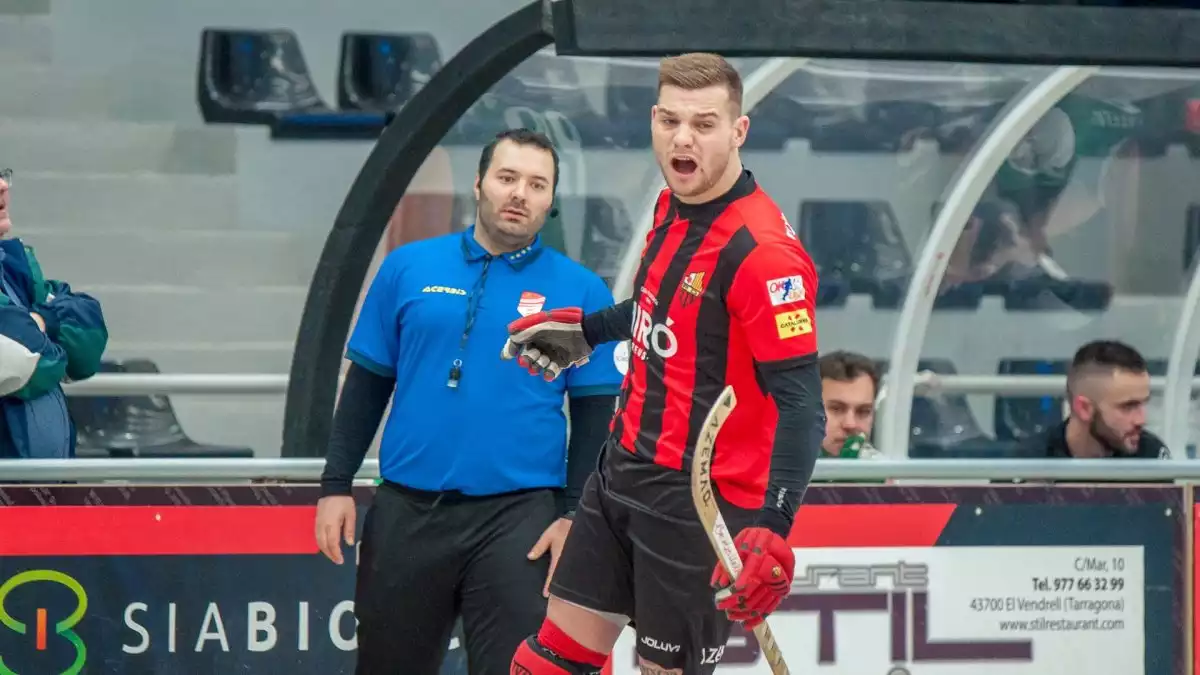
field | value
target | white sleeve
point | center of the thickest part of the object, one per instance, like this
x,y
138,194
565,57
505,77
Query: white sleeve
x,y
16,365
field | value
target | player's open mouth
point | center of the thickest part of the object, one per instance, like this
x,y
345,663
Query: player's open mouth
x,y
513,213
684,166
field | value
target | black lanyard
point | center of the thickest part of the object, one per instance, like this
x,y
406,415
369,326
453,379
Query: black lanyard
x,y
473,299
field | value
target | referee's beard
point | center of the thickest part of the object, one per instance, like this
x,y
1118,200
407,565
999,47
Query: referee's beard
x,y
503,232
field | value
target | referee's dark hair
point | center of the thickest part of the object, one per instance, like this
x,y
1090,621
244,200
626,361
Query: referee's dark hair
x,y
520,136
1103,357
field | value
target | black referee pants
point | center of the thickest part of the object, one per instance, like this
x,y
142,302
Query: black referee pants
x,y
428,558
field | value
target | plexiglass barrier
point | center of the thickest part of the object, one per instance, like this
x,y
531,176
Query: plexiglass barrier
x,y
973,220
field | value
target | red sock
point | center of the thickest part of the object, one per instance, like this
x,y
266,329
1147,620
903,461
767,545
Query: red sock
x,y
554,639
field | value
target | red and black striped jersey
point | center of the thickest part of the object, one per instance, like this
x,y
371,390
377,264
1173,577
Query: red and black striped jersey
x,y
723,290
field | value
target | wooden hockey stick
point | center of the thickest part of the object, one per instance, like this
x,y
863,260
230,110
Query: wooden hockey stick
x,y
714,523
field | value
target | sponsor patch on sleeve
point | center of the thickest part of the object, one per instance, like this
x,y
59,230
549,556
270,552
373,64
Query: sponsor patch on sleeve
x,y
793,324
786,290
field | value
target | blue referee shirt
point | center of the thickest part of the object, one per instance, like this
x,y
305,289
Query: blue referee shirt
x,y
500,429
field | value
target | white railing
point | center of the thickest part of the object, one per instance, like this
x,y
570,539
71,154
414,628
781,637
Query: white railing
x,y
1008,385
309,470
264,385
136,384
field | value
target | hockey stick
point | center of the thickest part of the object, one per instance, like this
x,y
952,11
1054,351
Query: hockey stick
x,y
714,523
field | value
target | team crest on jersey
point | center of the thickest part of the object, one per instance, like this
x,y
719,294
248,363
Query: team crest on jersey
x,y
530,303
691,287
786,290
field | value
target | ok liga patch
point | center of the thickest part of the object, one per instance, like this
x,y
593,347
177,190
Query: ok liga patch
x,y
786,290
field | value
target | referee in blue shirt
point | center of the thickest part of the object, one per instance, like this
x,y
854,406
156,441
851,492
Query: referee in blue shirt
x,y
479,478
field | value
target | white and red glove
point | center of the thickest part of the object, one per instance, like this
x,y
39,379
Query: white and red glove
x,y
548,343
766,578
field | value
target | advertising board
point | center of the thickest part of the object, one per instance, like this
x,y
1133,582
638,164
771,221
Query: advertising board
x,y
891,580
1018,580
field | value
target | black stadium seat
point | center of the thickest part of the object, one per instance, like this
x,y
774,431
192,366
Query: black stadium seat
x,y
941,422
135,426
252,77
260,77
858,245
943,425
380,72
1019,418
1045,293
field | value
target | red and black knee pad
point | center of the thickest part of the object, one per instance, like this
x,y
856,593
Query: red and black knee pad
x,y
553,652
534,659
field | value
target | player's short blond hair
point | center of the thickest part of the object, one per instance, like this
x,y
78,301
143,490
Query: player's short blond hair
x,y
699,70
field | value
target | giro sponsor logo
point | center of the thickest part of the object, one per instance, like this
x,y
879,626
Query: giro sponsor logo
x,y
149,626
48,633
652,337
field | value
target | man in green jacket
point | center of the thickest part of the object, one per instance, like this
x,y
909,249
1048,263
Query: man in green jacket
x,y
49,334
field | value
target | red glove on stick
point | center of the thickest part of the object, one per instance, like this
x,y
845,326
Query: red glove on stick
x,y
766,578
548,342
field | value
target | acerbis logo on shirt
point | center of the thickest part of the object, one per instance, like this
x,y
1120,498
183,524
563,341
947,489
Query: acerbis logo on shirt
x,y
786,290
443,289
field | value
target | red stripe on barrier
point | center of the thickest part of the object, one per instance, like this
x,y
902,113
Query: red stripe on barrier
x,y
869,525
156,530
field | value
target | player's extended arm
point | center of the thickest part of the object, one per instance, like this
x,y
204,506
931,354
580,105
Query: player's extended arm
x,y
798,434
365,397
610,324
548,343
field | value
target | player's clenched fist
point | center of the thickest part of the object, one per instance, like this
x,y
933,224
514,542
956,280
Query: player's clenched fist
x,y
766,578
548,343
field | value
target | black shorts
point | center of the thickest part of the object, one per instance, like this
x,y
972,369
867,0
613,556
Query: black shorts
x,y
427,559
637,548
